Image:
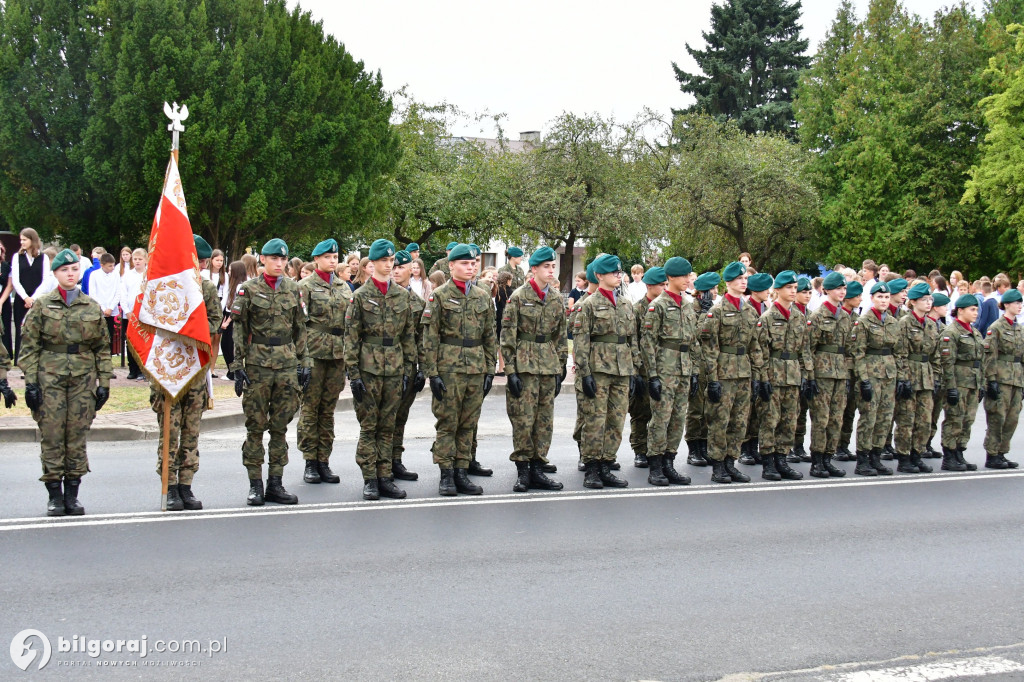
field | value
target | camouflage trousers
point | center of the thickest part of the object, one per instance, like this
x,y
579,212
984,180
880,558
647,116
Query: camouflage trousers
x,y
401,419
376,413
668,415
754,419
583,412
696,419
956,427
533,416
457,418
778,420
602,430
937,405
727,420
849,414
801,422
269,405
913,420
316,416
183,444
64,418
827,409
1002,415
639,418
876,416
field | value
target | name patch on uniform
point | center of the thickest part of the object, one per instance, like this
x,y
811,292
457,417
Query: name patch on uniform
x,y
370,300
452,300
262,295
728,314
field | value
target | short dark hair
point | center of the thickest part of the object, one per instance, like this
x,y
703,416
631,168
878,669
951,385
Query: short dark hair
x,y
107,258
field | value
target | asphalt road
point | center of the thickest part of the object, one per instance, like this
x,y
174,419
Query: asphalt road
x,y
807,580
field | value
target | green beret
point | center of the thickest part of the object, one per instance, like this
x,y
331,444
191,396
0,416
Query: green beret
x,y
65,257
451,245
591,277
654,276
326,246
464,252
854,289
411,246
381,248
897,285
939,300
203,248
803,284
541,255
474,246
880,288
403,257
707,281
1012,296
762,281
606,264
833,281
966,301
733,270
275,247
919,290
677,267
782,279
514,252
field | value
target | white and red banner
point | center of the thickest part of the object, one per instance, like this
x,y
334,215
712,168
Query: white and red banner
x,y
168,329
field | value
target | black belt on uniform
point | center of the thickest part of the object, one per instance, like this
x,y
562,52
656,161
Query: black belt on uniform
x,y
536,338
781,355
675,344
380,340
70,349
827,348
270,340
609,338
459,341
1010,357
733,350
917,357
333,331
878,351
969,363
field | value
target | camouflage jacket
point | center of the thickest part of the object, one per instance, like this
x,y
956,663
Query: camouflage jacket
x,y
830,333
326,305
380,332
533,336
917,356
786,346
604,337
442,265
52,328
961,352
639,312
518,276
668,339
270,324
873,343
458,333
416,303
728,341
5,362
214,313
1004,352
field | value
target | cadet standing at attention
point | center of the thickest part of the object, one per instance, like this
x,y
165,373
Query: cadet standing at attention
x,y
798,453
961,350
830,327
515,257
326,297
187,411
442,264
65,355
459,347
269,368
401,275
874,340
917,364
936,318
582,402
758,286
10,398
380,353
854,294
1004,374
639,403
535,349
696,417
670,350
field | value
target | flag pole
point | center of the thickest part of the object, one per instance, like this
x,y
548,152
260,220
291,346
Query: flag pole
x,y
165,455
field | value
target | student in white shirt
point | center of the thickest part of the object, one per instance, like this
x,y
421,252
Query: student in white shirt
x,y
131,287
105,289
636,289
30,271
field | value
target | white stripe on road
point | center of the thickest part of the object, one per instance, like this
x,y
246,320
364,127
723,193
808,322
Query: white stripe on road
x,y
940,670
509,498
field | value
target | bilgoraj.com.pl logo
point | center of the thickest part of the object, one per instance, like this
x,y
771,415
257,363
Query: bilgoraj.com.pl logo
x,y
28,645
23,652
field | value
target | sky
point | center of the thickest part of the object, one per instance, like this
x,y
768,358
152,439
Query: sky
x,y
533,60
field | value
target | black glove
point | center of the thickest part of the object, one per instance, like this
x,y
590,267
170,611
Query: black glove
x,y
437,387
565,373
904,390
849,387
694,384
405,385
766,389
33,397
9,396
589,387
937,390
755,389
952,396
358,390
993,390
637,386
304,374
981,397
706,301
515,385
102,395
808,389
241,380
866,392
715,391
654,389
558,387
419,381
488,380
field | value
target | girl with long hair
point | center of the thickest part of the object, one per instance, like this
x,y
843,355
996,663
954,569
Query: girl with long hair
x,y
125,263
30,275
237,274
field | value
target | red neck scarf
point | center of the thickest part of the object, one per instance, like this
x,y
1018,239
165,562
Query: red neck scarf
x,y
738,302
271,281
893,309
831,308
540,294
382,287
965,325
801,307
878,313
782,310
1010,320
919,319
460,285
325,276
63,293
678,298
610,295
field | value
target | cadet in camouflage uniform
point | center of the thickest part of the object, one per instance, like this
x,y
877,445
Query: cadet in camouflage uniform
x,y
515,257
782,334
442,263
961,350
65,355
401,274
917,363
897,298
830,327
671,354
1004,374
696,417
854,294
270,367
639,402
758,287
798,453
326,297
936,317
535,349
187,411
583,404
459,353
10,398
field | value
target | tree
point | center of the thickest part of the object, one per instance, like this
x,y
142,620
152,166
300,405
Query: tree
x,y
751,65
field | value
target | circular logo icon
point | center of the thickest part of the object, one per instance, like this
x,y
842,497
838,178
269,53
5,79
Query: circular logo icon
x,y
23,653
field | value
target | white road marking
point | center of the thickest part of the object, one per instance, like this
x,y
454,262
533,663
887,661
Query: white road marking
x,y
939,670
126,518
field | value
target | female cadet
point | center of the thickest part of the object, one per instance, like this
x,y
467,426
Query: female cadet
x,y
917,360
1004,374
961,352
874,339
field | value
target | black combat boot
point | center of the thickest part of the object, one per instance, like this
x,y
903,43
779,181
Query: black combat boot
x,y
655,476
401,473
704,450
754,450
833,471
768,471
187,498
326,475
786,471
592,477
447,485
818,469
580,466
734,474
745,456
255,498
915,459
967,465
843,454
522,483
694,456
906,466
864,467
668,467
174,502
277,493
71,504
539,480
950,461
311,474
640,460
995,462
466,486
874,457
609,479
614,466
930,452
476,470
888,452
719,473
798,454
371,491
1009,464
387,488
55,506
549,468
